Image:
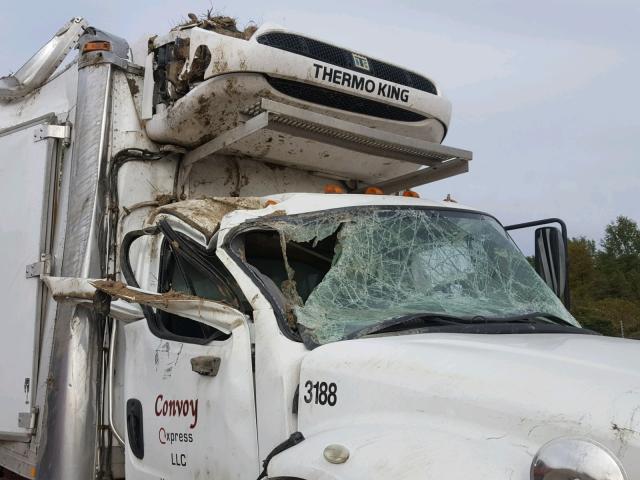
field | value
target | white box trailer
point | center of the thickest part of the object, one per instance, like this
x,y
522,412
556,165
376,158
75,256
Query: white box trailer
x,y
27,193
202,279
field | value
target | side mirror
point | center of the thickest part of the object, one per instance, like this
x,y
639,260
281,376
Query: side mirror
x,y
551,260
551,255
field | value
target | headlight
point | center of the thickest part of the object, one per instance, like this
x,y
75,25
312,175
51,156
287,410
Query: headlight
x,y
575,459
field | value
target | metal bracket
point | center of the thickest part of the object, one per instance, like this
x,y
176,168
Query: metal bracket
x,y
47,130
97,58
447,169
338,137
28,419
24,419
38,269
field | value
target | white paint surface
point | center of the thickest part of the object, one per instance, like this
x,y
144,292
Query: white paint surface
x,y
221,442
23,177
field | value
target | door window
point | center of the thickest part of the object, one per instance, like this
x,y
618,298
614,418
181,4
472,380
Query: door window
x,y
188,268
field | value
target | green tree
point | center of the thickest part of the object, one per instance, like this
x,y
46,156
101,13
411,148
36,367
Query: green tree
x,y
582,271
619,261
622,238
593,319
605,282
623,315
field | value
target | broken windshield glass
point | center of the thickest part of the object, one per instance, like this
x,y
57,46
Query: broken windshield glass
x,y
392,262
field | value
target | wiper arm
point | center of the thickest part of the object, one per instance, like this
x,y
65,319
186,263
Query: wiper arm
x,y
530,318
423,318
440,319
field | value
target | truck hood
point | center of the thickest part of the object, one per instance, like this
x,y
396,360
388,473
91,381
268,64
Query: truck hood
x,y
517,391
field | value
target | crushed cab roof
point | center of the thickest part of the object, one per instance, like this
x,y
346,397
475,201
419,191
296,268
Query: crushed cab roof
x,y
205,214
208,215
296,203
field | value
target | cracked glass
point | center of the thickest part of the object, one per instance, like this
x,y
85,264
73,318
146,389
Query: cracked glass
x,y
393,262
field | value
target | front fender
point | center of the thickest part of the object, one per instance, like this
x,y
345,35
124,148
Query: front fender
x,y
381,452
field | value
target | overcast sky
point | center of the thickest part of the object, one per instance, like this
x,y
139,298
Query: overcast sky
x,y
545,93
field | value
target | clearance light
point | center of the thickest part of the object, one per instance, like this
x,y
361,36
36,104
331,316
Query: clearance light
x,y
96,46
270,202
333,188
373,191
410,193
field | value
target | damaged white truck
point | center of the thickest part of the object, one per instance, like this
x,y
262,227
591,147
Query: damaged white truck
x,y
215,267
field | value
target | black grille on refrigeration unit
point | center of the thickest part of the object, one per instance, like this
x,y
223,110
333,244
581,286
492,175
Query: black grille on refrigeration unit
x,y
342,101
345,58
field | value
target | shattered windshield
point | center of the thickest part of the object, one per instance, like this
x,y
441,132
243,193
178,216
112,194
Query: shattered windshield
x,y
369,265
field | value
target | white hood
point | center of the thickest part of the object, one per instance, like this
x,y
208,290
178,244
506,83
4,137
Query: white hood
x,y
507,394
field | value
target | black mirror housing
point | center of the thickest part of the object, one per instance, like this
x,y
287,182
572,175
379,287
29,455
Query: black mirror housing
x,y
551,255
551,261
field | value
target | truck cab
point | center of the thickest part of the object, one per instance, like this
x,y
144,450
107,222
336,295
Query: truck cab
x,y
363,324
236,280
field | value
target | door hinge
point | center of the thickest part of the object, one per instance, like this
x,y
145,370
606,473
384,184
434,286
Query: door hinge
x,y
38,269
62,132
28,419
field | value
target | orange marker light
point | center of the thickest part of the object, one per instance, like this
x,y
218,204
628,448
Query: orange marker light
x,y
333,188
270,202
373,191
96,46
410,193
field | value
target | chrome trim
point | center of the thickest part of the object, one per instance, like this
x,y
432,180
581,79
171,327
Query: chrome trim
x,y
112,347
575,459
46,118
72,406
101,153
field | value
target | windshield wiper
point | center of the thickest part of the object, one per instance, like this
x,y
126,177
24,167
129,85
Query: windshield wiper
x,y
531,318
421,320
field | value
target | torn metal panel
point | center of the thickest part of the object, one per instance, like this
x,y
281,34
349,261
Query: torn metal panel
x,y
43,64
215,314
81,291
63,288
206,214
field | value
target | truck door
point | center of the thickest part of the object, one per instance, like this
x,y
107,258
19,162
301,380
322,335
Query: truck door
x,y
189,396
27,168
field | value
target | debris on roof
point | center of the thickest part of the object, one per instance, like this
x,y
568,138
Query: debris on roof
x,y
219,23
